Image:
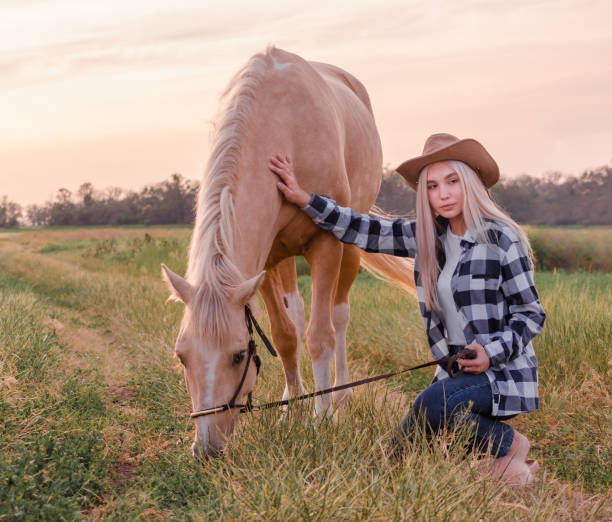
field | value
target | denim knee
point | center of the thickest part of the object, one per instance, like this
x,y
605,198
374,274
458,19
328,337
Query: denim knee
x,y
428,407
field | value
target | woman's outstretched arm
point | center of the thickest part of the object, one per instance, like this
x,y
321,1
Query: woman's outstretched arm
x,y
369,233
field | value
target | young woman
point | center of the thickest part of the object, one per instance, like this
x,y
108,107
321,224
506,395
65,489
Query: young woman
x,y
474,278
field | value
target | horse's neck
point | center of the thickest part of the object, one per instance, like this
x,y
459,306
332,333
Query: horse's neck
x,y
256,207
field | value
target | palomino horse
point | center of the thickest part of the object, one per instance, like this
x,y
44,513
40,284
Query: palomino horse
x,y
321,116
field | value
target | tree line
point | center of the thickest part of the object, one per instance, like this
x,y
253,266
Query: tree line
x,y
170,202
553,199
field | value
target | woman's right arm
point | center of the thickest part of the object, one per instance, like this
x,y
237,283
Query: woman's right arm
x,y
370,233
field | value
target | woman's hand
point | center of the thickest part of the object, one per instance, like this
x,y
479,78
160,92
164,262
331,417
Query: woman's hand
x,y
478,365
282,166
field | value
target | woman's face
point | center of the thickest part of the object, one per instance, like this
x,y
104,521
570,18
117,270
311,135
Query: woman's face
x,y
444,190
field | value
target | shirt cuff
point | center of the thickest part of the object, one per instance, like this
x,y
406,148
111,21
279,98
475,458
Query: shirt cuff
x,y
496,353
315,206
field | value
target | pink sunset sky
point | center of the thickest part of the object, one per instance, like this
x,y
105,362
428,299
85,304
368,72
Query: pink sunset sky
x,y
122,93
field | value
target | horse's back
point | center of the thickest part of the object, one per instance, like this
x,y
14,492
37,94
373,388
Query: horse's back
x,y
327,116
362,148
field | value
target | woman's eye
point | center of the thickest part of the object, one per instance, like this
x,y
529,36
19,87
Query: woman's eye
x,y
431,187
238,357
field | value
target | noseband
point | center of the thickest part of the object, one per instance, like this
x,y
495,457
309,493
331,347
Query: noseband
x,y
252,354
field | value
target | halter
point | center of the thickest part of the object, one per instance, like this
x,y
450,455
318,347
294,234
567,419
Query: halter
x,y
252,354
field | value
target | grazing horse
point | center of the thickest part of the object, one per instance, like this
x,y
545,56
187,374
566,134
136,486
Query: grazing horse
x,y
246,236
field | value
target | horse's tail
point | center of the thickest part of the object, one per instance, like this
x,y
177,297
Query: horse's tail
x,y
398,271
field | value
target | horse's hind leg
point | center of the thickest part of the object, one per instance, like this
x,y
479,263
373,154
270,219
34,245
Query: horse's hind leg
x,y
324,255
349,269
286,320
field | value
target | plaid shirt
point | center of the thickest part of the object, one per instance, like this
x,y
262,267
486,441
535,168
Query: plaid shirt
x,y
492,286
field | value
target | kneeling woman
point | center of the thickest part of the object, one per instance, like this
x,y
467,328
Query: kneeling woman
x,y
474,279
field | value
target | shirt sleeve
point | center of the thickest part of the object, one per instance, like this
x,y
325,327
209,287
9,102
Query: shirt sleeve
x,y
526,313
370,233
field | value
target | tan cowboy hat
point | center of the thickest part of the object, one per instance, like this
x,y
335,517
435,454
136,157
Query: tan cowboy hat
x,y
441,147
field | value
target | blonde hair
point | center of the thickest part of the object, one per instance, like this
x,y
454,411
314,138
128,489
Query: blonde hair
x,y
477,207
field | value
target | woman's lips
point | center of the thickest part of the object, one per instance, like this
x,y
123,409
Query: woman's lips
x,y
448,207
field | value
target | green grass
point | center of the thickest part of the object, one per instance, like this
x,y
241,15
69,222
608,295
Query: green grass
x,y
62,246
137,255
95,415
53,462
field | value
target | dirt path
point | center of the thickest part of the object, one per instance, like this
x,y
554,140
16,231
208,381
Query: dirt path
x,y
92,348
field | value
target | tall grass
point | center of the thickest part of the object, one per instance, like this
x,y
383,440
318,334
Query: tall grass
x,y
119,416
588,249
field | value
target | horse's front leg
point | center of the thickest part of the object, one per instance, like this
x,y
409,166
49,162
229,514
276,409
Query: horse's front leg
x,y
348,272
286,321
324,256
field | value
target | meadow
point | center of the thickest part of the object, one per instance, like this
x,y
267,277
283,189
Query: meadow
x,y
94,414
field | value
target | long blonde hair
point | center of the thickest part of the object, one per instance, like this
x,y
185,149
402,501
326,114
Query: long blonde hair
x,y
477,207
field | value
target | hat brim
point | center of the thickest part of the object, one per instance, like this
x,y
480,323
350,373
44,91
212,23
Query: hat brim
x,y
467,150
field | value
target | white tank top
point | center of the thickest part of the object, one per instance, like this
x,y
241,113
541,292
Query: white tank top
x,y
450,314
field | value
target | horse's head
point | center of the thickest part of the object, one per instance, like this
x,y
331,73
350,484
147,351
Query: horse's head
x,y
212,346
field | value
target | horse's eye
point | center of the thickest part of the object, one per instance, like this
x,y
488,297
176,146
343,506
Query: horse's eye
x,y
238,357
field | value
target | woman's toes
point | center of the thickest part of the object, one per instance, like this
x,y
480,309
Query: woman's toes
x,y
533,465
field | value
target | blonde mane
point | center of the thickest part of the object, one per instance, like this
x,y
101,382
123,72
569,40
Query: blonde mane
x,y
211,269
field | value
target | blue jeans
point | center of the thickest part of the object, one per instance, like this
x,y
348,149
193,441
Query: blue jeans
x,y
465,399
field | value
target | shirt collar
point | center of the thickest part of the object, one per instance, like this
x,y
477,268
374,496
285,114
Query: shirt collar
x,y
466,240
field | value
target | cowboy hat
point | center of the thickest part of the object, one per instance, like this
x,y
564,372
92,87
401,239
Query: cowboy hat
x,y
441,147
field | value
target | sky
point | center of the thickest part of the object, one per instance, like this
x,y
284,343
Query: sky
x,y
123,93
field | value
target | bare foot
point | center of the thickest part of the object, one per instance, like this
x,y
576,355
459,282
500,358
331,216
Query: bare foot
x,y
513,467
534,466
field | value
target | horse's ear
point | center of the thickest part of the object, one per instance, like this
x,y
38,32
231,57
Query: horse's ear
x,y
180,289
243,292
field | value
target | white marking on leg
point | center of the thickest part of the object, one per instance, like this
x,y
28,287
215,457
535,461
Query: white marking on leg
x,y
340,317
295,310
321,369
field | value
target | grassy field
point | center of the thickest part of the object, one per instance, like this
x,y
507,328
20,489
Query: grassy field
x,y
571,248
94,415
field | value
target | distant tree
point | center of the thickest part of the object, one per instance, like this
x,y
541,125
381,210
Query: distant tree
x,y
10,213
395,195
38,215
169,202
62,210
558,199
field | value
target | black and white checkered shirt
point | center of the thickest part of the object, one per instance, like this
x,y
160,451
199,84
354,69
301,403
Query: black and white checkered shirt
x,y
492,286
